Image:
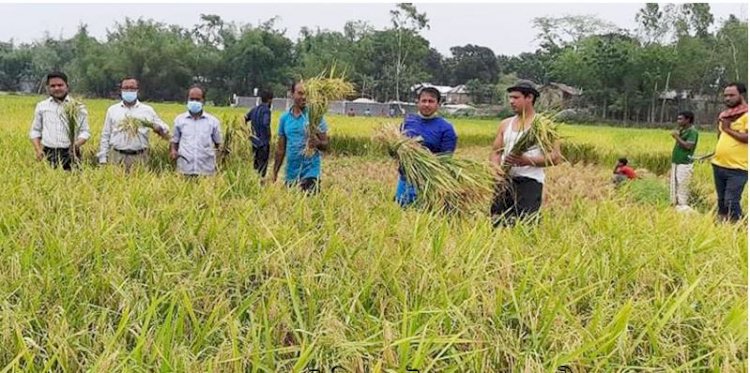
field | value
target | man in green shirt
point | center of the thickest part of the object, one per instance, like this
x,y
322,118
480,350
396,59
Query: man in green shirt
x,y
686,138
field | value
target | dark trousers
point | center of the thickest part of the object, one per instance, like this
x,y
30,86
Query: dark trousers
x,y
520,199
309,185
260,158
58,157
729,186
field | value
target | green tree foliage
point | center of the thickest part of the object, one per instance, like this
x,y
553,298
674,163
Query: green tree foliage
x,y
622,73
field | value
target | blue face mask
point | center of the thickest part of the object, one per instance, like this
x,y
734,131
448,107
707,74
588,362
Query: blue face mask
x,y
194,107
129,96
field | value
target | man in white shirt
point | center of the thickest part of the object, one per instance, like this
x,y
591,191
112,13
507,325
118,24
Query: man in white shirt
x,y
49,130
522,198
196,137
117,145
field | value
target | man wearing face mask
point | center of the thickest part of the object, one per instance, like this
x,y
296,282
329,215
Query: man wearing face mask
x,y
49,130
196,137
116,144
436,133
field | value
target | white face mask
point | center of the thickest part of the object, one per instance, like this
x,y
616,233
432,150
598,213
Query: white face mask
x,y
194,107
129,96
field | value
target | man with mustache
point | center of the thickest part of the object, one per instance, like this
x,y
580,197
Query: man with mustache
x,y
730,158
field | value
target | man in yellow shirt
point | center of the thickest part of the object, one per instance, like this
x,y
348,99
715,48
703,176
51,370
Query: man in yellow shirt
x,y
730,158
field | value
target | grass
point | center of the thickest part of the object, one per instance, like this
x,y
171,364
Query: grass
x,y
107,271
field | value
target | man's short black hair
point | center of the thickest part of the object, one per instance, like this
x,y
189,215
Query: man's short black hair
x,y
203,90
741,88
688,115
294,85
431,90
266,96
129,77
57,74
624,161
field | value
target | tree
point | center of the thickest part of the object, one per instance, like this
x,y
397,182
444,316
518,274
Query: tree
x,y
210,32
557,32
732,49
532,66
15,66
481,93
650,18
162,57
394,80
49,55
436,66
260,57
91,69
700,18
610,58
405,13
318,52
674,21
473,62
621,76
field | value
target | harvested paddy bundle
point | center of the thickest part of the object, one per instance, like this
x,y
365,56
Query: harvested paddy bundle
x,y
444,183
320,91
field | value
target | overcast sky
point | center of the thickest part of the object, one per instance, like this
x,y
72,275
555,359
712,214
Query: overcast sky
x,y
505,28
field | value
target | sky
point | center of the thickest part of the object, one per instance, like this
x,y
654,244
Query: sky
x,y
504,28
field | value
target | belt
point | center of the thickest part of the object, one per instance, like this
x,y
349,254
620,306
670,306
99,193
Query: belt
x,y
129,152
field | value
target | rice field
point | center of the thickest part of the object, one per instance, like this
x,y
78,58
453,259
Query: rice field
x,y
148,271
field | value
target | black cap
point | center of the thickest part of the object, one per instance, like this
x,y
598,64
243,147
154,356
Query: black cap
x,y
524,86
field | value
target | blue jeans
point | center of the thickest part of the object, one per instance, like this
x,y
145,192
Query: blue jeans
x,y
406,193
729,186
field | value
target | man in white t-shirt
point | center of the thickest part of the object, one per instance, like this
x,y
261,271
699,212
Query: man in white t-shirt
x,y
522,197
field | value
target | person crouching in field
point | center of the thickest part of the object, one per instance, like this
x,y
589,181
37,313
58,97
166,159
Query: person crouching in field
x,y
49,130
623,172
436,133
196,137
119,146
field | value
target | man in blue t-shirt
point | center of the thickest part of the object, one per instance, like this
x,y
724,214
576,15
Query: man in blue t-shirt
x,y
260,122
300,170
436,133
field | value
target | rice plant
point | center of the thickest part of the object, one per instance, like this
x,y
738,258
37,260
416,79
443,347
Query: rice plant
x,y
107,272
131,125
71,116
319,91
444,183
236,132
543,133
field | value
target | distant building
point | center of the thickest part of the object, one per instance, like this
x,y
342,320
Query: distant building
x,y
458,95
558,95
450,95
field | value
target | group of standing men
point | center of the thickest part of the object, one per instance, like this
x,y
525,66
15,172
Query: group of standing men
x,y
728,161
193,142
197,136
